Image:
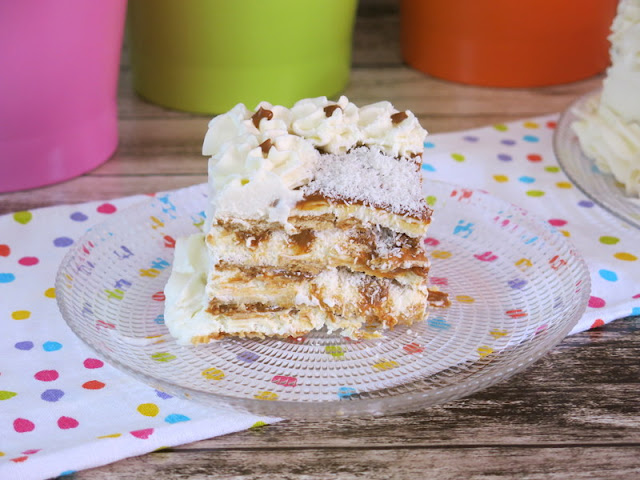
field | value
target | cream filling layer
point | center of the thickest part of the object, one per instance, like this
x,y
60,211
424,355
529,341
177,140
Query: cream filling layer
x,y
188,293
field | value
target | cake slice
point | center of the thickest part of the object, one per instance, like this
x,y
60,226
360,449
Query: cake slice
x,y
315,219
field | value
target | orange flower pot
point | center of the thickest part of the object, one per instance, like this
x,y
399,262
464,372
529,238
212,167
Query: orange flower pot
x,y
507,43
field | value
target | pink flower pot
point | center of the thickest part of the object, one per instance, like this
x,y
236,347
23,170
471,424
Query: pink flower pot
x,y
60,62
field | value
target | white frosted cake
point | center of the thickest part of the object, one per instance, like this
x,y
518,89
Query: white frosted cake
x,y
315,219
609,128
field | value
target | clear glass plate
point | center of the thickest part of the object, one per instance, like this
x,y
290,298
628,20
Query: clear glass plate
x,y
516,285
600,187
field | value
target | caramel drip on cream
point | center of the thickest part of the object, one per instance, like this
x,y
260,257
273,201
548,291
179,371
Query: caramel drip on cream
x,y
396,118
259,115
329,109
266,146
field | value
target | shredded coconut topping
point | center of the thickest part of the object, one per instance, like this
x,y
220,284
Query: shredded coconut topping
x,y
372,178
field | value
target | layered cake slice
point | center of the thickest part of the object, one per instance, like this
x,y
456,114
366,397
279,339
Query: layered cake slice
x,y
315,219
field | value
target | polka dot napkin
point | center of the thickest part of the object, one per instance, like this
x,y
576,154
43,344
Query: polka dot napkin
x,y
62,409
516,162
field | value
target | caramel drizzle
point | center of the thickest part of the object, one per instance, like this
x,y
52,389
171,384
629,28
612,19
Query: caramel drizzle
x,y
266,146
303,241
438,299
314,199
329,109
217,308
396,118
260,114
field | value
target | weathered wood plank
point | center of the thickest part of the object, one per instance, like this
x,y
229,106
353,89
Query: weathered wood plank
x,y
406,88
475,463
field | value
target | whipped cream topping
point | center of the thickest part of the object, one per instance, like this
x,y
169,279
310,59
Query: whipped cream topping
x,y
398,134
260,159
609,126
329,126
613,143
621,90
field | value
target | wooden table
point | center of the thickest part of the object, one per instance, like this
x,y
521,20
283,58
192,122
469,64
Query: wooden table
x,y
574,414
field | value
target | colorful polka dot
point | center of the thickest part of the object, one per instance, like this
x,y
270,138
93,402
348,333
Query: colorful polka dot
x,y
501,127
597,323
608,275
93,363
596,302
142,434
464,299
5,251
635,311
47,375
66,423
564,185
627,257
607,240
534,157
7,277
535,193
530,138
22,217
551,124
106,208
51,346
148,409
50,292
20,314
22,425
62,242
52,395
531,125
163,357
28,261
585,203
158,297
431,200
26,345
6,395
501,178
508,141
552,169
428,145
176,418
458,157
93,385
163,395
557,222
78,217
503,157
470,138
427,167
526,179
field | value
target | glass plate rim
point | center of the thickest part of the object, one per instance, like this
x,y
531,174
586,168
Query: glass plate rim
x,y
564,126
